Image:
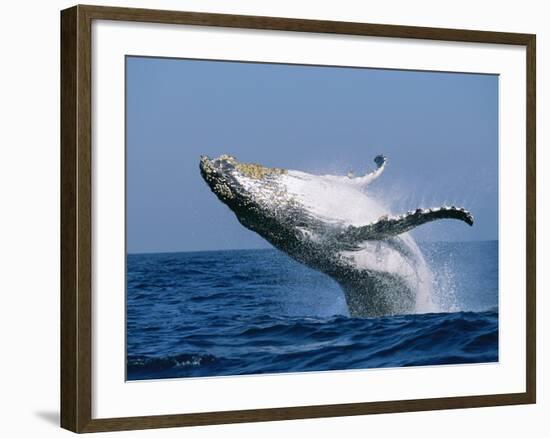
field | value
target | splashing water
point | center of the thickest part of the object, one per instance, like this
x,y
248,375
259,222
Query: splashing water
x,y
444,291
435,293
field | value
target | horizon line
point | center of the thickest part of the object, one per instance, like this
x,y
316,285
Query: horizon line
x,y
273,248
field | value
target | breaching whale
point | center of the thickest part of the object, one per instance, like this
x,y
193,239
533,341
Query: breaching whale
x,y
331,224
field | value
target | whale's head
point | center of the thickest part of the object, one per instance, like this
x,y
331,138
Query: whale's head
x,y
239,185
256,194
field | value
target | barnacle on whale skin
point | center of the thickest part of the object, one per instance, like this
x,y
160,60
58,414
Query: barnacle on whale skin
x,y
257,171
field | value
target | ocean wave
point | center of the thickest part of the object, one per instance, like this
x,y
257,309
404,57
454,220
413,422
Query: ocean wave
x,y
328,344
255,312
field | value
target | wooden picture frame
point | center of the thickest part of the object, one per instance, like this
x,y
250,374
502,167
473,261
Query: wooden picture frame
x,y
76,217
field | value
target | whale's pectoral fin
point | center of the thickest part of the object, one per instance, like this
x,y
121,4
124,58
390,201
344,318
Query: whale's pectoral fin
x,y
365,180
394,225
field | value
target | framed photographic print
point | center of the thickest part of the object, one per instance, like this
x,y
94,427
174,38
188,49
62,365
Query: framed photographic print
x,y
270,218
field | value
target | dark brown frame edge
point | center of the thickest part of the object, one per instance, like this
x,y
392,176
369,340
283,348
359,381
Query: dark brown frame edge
x,y
76,309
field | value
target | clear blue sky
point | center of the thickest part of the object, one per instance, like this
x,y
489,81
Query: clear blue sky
x,y
438,130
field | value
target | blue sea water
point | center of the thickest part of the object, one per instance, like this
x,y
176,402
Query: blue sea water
x,y
215,313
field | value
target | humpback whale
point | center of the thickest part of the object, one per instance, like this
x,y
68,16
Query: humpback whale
x,y
331,224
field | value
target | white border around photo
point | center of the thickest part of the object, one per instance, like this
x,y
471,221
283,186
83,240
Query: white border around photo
x,y
114,397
